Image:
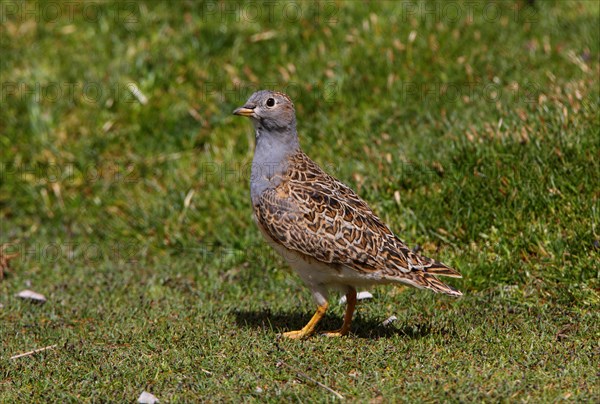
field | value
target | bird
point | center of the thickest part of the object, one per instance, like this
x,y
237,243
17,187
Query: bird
x,y
327,234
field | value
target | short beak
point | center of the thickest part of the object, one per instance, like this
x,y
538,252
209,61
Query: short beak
x,y
244,111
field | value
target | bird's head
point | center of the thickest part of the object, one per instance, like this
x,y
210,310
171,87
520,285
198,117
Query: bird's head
x,y
270,111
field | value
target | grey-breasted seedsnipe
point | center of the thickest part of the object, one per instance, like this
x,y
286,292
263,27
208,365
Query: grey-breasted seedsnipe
x,y
326,233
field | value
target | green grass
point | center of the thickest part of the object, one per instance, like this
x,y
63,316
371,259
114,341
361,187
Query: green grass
x,y
474,135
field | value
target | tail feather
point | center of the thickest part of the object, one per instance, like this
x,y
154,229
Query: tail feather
x,y
422,272
432,283
439,269
424,280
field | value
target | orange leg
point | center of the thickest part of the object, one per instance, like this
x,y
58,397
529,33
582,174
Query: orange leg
x,y
350,306
309,328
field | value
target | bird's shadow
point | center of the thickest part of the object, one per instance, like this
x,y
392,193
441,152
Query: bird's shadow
x,y
282,321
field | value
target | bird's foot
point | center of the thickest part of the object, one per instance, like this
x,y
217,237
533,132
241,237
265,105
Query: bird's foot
x,y
309,328
337,333
299,334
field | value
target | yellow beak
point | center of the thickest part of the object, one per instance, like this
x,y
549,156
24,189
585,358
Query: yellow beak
x,y
243,111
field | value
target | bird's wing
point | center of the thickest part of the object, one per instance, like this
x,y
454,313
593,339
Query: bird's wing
x,y
316,215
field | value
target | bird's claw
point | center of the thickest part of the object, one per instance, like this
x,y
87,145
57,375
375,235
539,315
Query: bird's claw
x,y
299,334
336,333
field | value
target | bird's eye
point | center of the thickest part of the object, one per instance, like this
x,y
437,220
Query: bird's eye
x,y
270,102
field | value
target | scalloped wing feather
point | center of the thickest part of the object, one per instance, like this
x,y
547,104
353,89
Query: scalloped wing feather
x,y
313,213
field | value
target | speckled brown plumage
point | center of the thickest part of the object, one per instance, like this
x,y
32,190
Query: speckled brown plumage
x,y
316,215
326,233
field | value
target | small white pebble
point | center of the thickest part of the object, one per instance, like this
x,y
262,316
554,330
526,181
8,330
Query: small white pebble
x,y
258,390
137,93
389,321
31,295
147,398
359,296
412,36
